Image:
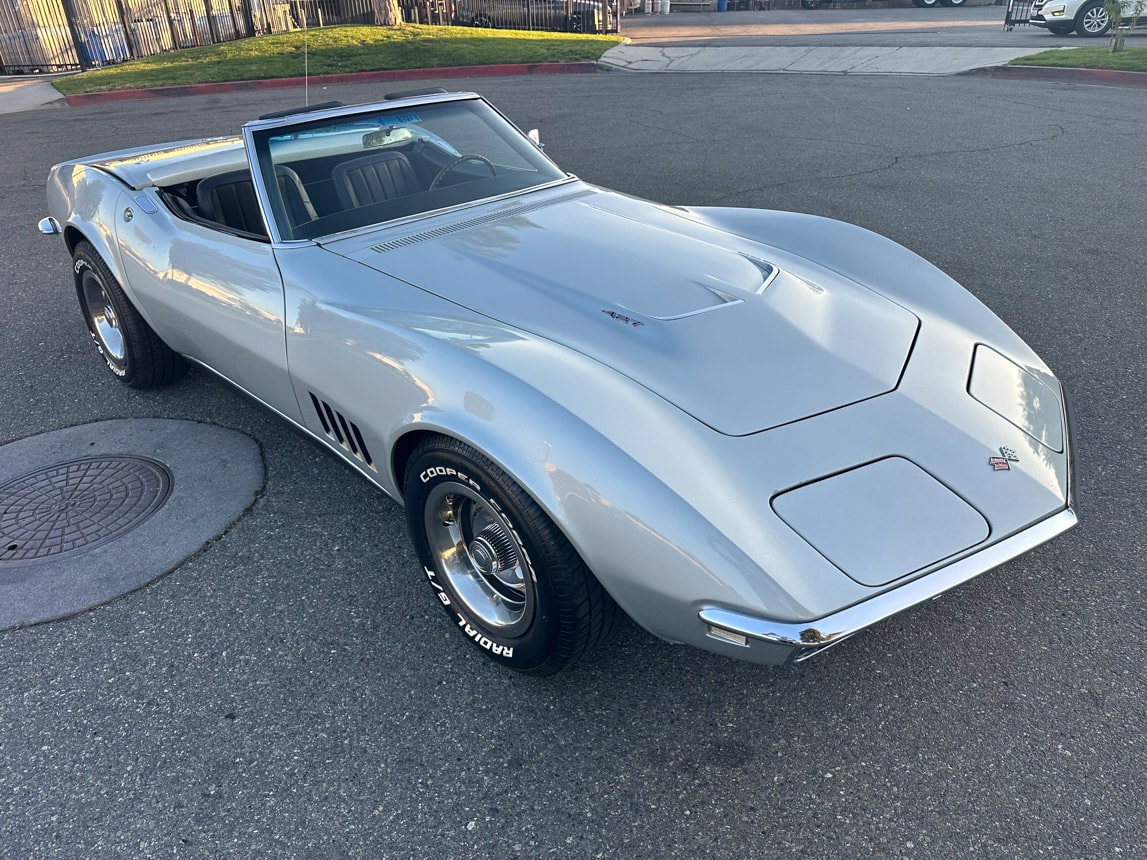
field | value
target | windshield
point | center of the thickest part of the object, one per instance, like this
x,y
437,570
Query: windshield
x,y
342,173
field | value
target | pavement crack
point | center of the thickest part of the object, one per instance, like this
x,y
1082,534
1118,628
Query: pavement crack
x,y
661,129
1058,131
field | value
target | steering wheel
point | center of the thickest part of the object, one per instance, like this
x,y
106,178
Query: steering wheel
x,y
459,160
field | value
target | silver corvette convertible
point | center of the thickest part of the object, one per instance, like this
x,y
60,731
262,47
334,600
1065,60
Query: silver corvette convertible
x,y
754,432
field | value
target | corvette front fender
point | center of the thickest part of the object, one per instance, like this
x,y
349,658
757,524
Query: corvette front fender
x,y
422,364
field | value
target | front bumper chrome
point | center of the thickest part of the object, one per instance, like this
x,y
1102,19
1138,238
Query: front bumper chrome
x,y
810,637
806,638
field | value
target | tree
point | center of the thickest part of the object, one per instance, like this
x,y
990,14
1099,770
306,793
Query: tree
x,y
386,13
1115,12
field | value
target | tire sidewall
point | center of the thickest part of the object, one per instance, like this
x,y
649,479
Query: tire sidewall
x,y
526,651
1079,27
86,261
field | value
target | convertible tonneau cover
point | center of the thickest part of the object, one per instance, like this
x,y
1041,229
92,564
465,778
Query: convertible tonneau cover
x,y
174,163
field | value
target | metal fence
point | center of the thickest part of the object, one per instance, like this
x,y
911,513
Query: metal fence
x,y
64,35
59,35
575,16
1017,13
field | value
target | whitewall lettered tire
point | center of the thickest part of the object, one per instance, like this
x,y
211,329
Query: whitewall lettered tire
x,y
506,576
128,345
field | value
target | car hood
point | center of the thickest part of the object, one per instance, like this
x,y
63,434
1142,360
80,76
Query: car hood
x,y
742,336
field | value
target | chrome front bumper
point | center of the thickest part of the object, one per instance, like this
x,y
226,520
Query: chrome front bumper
x,y
797,641
807,638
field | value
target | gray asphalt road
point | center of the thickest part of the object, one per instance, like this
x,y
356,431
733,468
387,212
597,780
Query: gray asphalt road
x,y
293,692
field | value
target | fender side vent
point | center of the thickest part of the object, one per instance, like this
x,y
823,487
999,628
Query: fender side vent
x,y
342,431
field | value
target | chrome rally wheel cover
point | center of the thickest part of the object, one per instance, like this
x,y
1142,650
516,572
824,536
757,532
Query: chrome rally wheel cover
x,y
479,553
103,318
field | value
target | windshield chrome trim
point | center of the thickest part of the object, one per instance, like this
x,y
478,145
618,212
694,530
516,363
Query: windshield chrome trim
x,y
431,213
262,194
353,110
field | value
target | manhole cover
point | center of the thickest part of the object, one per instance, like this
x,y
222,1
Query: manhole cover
x,y
77,505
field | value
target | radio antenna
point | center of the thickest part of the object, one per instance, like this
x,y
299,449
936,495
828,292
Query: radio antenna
x,y
306,62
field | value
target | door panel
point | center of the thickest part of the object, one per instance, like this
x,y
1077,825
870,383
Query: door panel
x,y
210,295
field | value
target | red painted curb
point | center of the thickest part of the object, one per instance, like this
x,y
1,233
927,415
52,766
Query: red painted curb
x,y
503,70
1102,77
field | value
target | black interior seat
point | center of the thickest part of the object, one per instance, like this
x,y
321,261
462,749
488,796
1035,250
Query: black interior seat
x,y
295,197
229,199
374,178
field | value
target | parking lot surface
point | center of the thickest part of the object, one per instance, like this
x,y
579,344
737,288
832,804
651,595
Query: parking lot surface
x,y
292,691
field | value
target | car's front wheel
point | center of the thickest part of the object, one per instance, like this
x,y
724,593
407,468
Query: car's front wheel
x,y
503,572
1092,20
926,4
128,345
953,3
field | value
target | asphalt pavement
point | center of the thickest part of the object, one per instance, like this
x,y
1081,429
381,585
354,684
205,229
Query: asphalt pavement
x,y
293,691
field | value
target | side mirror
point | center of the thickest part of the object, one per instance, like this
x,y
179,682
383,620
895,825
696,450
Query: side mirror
x,y
533,135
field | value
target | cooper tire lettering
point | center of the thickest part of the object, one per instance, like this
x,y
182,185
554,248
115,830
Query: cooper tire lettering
x,y
496,562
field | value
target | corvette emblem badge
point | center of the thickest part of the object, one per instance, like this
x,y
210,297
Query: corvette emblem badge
x,y
1001,463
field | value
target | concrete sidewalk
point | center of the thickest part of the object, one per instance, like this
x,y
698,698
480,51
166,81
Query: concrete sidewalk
x,y
27,93
821,60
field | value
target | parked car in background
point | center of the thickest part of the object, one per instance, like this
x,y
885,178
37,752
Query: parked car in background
x,y
1085,17
923,4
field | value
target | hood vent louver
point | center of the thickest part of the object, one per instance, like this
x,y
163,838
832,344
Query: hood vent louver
x,y
342,431
458,226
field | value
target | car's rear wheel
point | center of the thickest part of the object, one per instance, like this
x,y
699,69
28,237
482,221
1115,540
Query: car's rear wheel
x,y
953,3
129,347
926,4
503,572
1092,20
810,4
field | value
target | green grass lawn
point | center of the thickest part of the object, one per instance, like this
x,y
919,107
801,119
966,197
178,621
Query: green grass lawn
x,y
1128,60
337,50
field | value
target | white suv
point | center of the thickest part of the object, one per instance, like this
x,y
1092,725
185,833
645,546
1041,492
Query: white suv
x,y
1086,17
